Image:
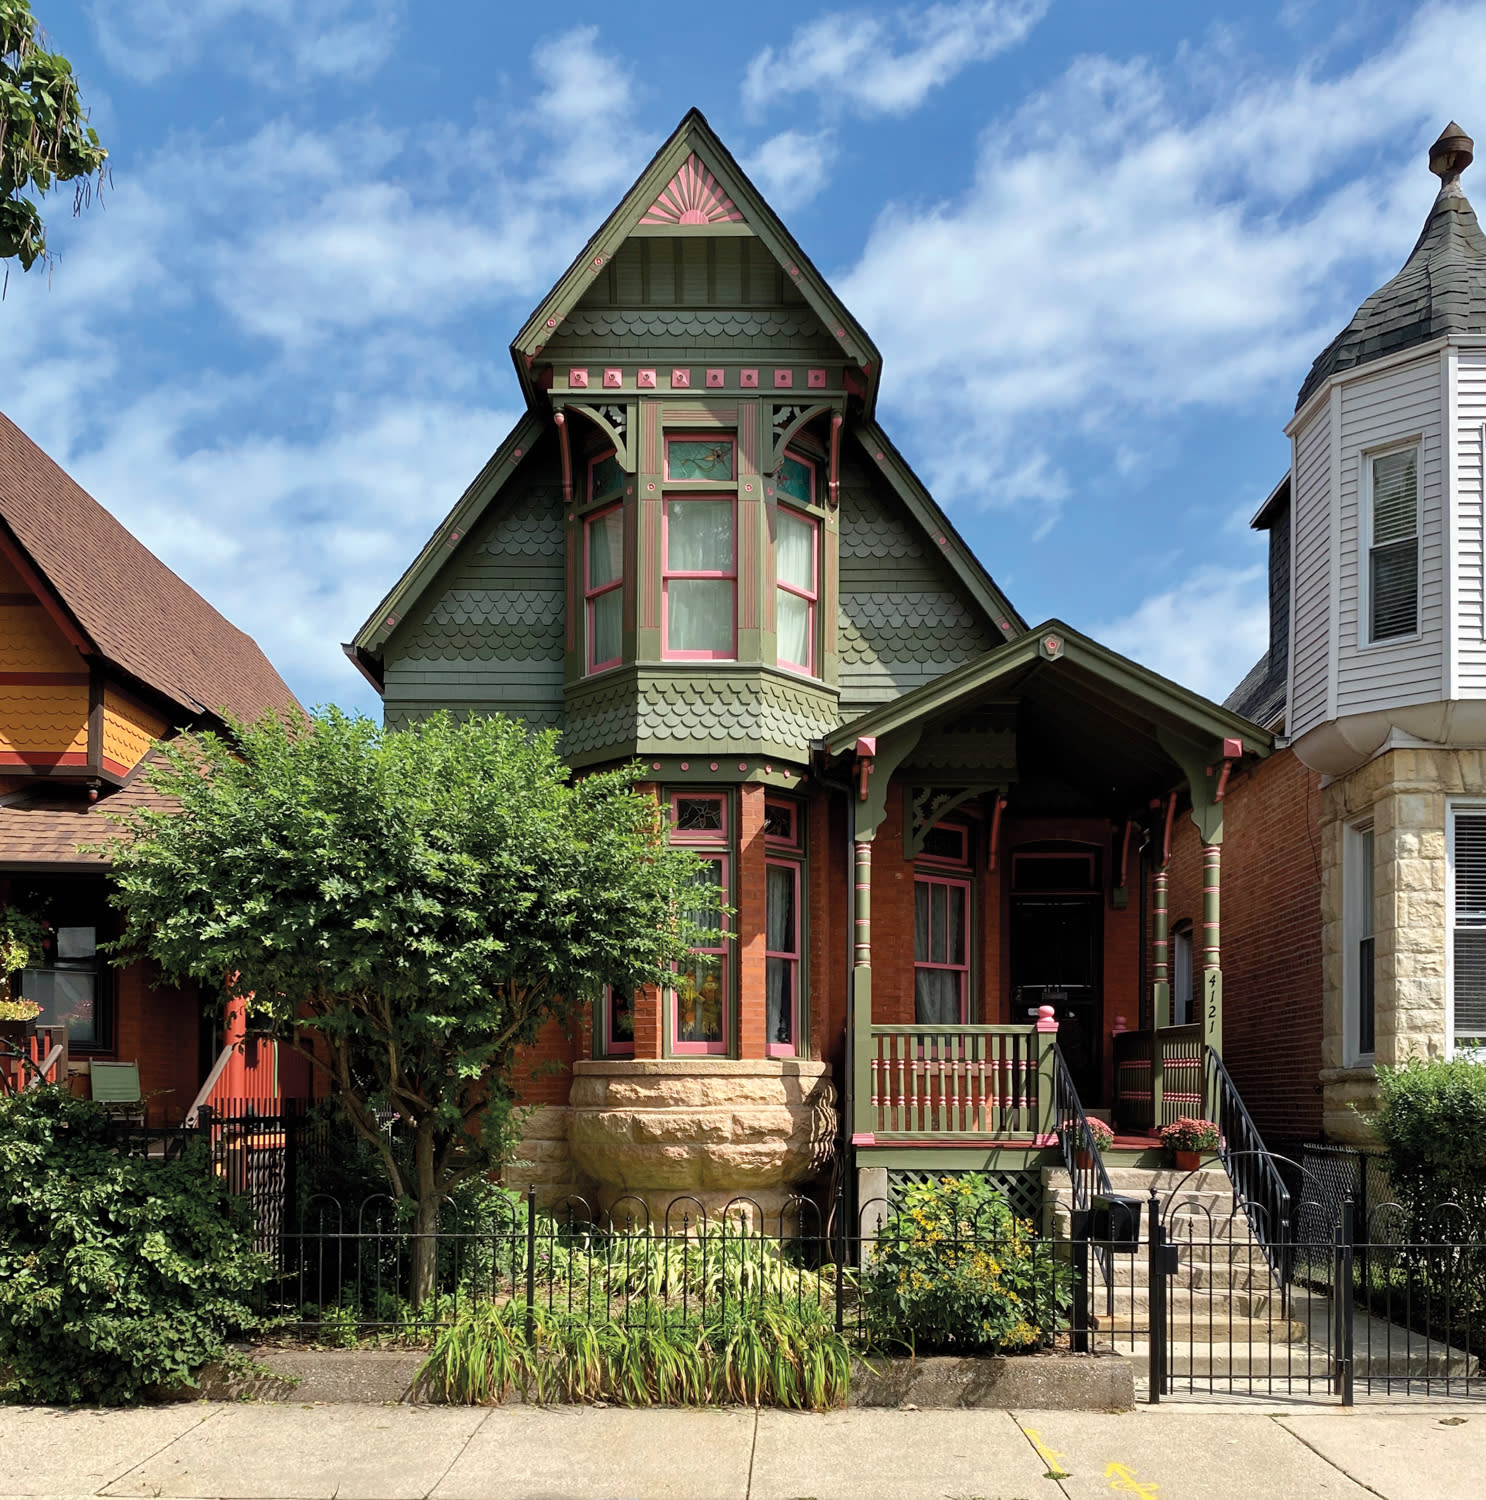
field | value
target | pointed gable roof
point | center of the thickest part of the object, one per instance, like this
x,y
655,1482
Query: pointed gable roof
x,y
120,601
693,184
1440,290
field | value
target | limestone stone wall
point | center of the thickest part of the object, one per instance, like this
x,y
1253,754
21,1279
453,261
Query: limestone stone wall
x,y
545,1159
710,1128
1406,790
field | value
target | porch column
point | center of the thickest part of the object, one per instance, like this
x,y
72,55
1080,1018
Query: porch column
x,y
864,1113
1161,957
1212,972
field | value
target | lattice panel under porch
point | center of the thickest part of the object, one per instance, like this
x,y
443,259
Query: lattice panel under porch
x,y
1022,1189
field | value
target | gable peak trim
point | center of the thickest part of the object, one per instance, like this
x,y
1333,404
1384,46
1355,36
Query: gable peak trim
x,y
693,196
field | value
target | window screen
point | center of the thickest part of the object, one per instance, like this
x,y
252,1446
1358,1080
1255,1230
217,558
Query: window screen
x,y
1470,928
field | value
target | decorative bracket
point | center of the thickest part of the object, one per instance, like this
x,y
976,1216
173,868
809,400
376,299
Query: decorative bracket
x,y
785,420
866,753
925,807
1207,810
615,419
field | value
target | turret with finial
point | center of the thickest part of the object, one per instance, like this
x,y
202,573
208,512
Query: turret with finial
x,y
1450,156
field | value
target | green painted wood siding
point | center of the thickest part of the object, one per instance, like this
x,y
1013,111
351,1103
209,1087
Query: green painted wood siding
x,y
488,635
903,618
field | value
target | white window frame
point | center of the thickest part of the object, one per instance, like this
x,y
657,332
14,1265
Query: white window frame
x,y
1356,925
1366,460
1453,808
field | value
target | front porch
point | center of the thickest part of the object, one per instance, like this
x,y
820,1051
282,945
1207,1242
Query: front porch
x,y
1012,957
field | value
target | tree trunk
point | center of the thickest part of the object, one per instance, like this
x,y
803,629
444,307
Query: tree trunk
x,y
425,1216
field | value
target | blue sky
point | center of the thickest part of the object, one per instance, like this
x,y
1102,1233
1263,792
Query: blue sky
x,y
1098,244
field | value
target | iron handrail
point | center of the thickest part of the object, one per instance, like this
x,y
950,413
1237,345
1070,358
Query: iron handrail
x,y
1080,1150
1257,1183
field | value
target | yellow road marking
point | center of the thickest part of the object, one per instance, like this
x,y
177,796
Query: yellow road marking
x,y
1049,1456
1122,1479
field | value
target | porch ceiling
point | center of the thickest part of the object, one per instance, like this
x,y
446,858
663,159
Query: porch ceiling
x,y
1086,718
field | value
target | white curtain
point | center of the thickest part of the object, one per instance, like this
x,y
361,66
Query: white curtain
x,y
699,615
699,536
608,625
605,549
936,997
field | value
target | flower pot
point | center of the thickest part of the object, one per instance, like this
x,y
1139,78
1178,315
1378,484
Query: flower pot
x,y
1083,1160
1187,1161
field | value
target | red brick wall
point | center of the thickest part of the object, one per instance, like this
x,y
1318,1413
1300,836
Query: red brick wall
x,y
1271,934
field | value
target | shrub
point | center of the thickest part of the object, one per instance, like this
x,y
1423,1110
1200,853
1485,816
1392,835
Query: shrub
x,y
117,1274
1432,1122
956,1269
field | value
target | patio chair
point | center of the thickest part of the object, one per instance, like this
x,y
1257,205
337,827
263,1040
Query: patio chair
x,y
116,1088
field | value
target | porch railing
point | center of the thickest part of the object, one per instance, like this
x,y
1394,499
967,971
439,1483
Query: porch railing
x,y
968,1082
40,1058
1159,1076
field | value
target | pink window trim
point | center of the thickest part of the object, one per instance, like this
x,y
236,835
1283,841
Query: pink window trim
x,y
784,841
593,463
673,1009
590,594
791,1048
702,436
784,496
611,1047
731,576
962,968
692,835
811,597
950,861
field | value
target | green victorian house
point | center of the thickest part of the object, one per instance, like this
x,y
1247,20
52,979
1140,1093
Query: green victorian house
x,y
943,834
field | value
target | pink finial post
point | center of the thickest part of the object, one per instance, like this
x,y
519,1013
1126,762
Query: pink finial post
x,y
1047,1018
1120,1024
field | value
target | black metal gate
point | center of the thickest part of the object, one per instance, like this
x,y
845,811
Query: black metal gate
x,y
1318,1301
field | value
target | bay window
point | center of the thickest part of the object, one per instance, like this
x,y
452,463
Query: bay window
x,y
796,589
700,1011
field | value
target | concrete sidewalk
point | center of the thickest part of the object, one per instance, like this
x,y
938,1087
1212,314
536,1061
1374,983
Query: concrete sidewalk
x,y
252,1452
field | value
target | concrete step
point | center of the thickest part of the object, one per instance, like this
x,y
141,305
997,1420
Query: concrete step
x,y
1198,1306
1238,1360
1139,1181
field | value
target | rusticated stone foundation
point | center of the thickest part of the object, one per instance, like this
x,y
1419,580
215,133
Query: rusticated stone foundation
x,y
709,1128
544,1159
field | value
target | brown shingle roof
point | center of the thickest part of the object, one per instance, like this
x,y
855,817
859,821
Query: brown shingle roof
x,y
48,826
137,613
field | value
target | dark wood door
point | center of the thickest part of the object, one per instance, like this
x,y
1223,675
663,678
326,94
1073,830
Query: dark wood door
x,y
1055,961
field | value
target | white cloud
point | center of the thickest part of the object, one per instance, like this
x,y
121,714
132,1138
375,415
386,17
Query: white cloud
x,y
289,39
1205,633
887,66
791,167
586,109
1136,243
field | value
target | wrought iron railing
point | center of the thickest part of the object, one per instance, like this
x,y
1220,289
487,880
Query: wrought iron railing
x,y
1080,1150
1258,1186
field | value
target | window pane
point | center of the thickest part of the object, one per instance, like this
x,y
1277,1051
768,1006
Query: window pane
x,y
795,552
1364,880
792,621
921,921
699,458
67,998
608,626
699,615
955,941
605,548
779,821
699,999
937,925
699,536
707,882
781,910
607,476
1470,867
780,995
699,814
621,1018
1366,1008
1395,488
796,478
1470,983
936,997
1395,590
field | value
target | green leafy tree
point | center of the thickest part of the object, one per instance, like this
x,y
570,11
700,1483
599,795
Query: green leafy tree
x,y
45,137
407,908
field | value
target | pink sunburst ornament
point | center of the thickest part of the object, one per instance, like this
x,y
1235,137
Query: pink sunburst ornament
x,y
692,197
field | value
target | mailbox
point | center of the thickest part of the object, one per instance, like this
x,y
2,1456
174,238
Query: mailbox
x,y
1115,1219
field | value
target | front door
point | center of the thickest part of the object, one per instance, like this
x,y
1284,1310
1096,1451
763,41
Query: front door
x,y
1055,961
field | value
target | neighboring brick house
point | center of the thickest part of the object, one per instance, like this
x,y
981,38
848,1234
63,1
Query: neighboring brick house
x,y
103,651
698,550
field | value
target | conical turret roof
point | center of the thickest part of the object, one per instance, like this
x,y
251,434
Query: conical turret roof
x,y
1440,290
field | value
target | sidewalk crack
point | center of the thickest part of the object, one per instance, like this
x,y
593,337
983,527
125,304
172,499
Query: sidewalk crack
x,y
489,1412
1279,1422
128,1469
752,1454
1057,1475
